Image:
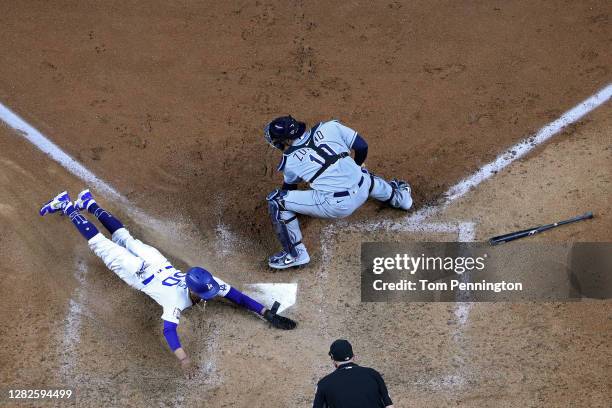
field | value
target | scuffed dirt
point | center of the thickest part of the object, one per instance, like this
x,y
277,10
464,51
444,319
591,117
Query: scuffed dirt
x,y
166,102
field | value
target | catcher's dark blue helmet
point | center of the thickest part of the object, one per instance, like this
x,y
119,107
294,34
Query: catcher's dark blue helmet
x,y
281,129
202,283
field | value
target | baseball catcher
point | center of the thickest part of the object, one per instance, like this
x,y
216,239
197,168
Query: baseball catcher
x,y
320,156
144,268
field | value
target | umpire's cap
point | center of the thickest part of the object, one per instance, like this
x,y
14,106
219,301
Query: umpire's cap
x,y
341,350
202,283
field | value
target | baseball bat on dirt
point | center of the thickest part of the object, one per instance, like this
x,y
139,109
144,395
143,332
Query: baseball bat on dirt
x,y
535,230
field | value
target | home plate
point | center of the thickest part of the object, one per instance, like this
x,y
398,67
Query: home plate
x,y
267,293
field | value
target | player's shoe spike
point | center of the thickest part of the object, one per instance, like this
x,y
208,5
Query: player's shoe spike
x,y
57,203
284,260
84,200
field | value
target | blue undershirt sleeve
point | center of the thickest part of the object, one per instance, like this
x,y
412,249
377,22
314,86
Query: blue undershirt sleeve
x,y
171,335
360,146
243,300
289,187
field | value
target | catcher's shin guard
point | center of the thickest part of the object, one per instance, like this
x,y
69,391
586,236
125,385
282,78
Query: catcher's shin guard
x,y
284,222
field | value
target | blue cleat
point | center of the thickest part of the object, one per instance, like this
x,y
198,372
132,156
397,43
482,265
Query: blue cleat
x,y
58,203
84,200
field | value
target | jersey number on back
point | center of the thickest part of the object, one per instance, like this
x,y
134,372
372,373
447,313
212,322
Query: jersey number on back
x,y
321,160
316,158
174,279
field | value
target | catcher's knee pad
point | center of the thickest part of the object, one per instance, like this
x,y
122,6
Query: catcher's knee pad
x,y
379,188
280,218
371,176
276,201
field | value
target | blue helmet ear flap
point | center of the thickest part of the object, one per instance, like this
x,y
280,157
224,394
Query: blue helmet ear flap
x,y
202,283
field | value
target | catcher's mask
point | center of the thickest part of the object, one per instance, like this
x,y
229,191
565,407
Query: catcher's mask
x,y
282,129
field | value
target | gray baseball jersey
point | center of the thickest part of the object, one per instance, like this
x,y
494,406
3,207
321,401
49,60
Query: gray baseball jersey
x,y
339,186
321,158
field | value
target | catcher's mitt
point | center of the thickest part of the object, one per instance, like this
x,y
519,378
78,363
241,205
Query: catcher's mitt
x,y
280,322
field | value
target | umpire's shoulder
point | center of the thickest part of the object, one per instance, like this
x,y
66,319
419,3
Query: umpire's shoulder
x,y
325,380
371,371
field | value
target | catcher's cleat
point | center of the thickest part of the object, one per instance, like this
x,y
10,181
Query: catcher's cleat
x,y
401,197
284,260
84,200
57,203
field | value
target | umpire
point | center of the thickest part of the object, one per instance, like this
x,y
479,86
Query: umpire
x,y
350,386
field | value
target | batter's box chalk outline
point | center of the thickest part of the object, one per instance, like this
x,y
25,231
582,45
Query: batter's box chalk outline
x,y
414,222
418,221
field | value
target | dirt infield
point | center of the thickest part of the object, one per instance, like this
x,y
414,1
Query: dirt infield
x,y
166,101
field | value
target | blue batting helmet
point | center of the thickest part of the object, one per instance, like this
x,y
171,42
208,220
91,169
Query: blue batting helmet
x,y
202,283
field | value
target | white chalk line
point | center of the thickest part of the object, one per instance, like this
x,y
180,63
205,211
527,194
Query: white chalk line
x,y
525,146
74,315
418,221
34,136
52,150
168,228
71,335
414,222
462,310
99,186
